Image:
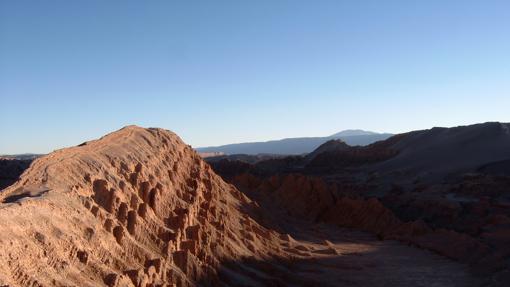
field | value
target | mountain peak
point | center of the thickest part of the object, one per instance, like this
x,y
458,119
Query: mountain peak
x,y
349,133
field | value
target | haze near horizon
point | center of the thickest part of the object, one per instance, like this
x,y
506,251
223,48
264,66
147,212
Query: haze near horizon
x,y
230,72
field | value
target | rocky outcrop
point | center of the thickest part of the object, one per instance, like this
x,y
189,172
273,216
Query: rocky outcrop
x,y
312,198
335,145
334,157
137,207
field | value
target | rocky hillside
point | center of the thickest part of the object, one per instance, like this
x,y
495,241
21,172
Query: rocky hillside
x,y
445,190
439,152
136,207
140,208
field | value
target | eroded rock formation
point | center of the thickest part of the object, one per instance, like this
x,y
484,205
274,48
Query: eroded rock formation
x,y
137,207
312,198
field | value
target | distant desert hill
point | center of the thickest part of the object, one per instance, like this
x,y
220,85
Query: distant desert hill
x,y
327,147
438,152
296,146
433,154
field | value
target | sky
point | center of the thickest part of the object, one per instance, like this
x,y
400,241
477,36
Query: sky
x,y
218,72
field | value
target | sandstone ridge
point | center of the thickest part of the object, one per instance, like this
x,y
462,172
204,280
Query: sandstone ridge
x,y
136,207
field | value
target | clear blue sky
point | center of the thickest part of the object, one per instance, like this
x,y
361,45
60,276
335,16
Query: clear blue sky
x,y
219,72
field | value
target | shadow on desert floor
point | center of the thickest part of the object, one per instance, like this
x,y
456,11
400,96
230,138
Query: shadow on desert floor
x,y
389,265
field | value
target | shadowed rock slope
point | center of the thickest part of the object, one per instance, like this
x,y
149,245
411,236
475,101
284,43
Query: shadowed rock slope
x,y
445,190
11,169
439,152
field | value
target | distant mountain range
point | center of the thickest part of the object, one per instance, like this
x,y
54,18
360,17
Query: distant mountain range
x,y
295,146
432,154
24,156
429,155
